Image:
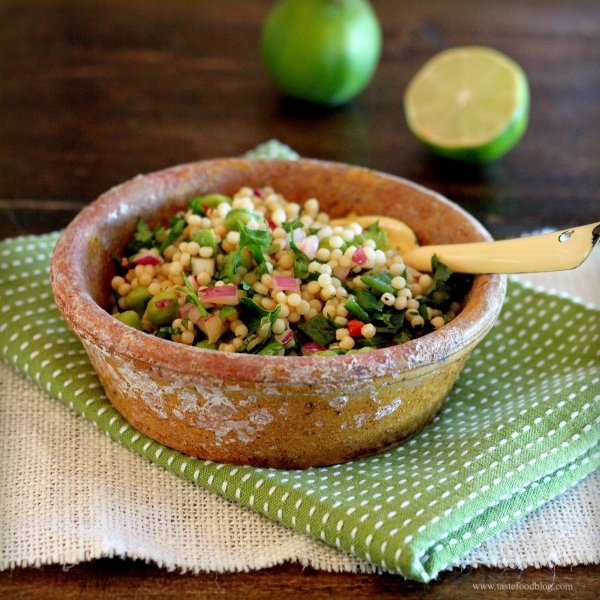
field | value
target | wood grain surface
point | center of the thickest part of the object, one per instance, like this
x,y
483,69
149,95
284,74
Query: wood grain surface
x,y
94,92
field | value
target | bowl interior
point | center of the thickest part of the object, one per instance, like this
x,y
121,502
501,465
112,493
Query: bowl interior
x,y
82,264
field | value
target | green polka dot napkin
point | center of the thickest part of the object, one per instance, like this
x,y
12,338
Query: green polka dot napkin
x,y
519,428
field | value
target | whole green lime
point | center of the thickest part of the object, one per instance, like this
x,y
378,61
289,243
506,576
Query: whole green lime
x,y
322,51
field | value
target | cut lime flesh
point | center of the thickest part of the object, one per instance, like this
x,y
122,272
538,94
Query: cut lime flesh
x,y
470,103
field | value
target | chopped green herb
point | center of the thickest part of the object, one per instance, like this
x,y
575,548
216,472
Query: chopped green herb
x,y
142,238
192,296
319,329
167,331
378,235
177,225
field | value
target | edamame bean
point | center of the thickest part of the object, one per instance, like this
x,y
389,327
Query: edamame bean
x,y
129,317
137,299
162,308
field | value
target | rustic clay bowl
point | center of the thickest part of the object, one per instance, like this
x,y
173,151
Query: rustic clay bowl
x,y
288,412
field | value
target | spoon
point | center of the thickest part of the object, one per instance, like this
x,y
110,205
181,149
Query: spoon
x,y
557,251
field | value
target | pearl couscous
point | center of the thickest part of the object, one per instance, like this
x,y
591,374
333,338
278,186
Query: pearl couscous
x,y
257,273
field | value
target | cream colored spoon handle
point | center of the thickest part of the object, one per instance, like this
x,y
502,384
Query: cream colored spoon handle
x,y
556,251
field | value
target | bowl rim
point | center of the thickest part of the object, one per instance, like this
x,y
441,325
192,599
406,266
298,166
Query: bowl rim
x,y
96,326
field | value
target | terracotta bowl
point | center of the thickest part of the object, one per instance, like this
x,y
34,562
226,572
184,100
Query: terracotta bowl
x,y
284,412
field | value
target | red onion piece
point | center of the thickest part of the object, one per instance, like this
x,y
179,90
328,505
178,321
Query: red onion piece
x,y
286,283
359,256
164,303
222,294
190,311
286,337
310,348
310,246
299,235
147,258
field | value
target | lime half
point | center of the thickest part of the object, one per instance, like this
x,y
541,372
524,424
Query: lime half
x,y
470,103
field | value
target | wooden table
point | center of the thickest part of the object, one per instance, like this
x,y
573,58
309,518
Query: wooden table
x,y
93,93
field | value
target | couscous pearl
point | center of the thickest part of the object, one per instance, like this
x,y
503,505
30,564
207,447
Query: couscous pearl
x,y
416,289
281,297
278,216
269,303
279,326
154,288
294,299
342,321
237,342
313,287
311,206
425,281
193,248
187,337
316,304
380,257
368,330
345,261
398,282
348,235
437,322
175,268
324,279
144,279
293,317
223,209
205,252
286,261
323,254
387,298
336,254
412,304
341,333
194,220
203,278
397,269
341,310
328,291
400,303
116,282
260,288
329,311
311,314
284,311
417,321
124,289
347,343
303,308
